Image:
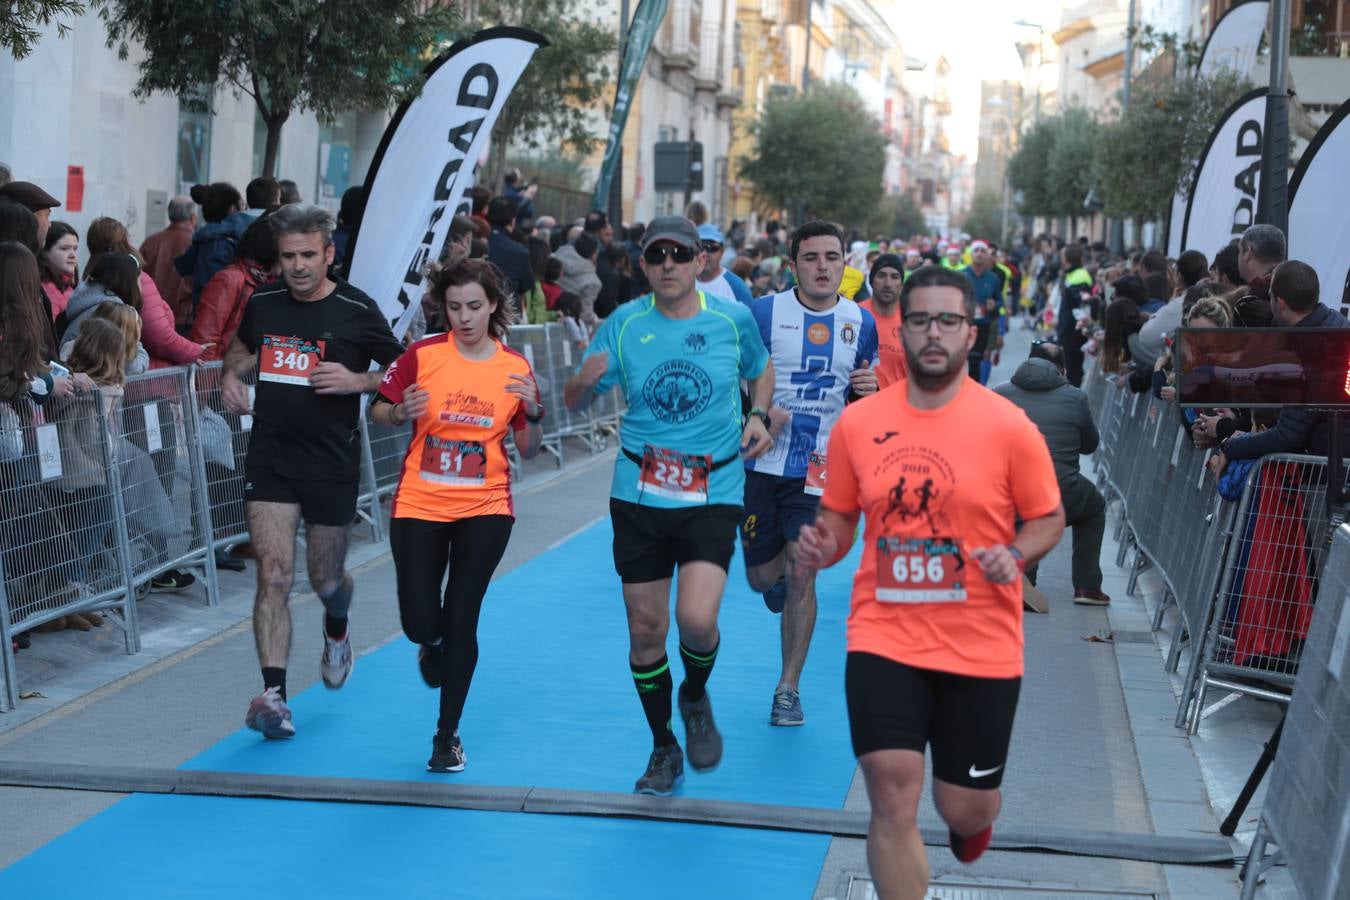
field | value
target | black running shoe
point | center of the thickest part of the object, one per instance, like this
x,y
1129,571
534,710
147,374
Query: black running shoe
x,y
172,581
665,771
429,664
701,737
447,754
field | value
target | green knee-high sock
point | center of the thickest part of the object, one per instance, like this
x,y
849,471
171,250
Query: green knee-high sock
x,y
654,687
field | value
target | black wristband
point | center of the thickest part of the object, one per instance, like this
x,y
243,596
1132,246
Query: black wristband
x,y
535,420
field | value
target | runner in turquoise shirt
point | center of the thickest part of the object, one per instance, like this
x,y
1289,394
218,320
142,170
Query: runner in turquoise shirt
x,y
681,381
679,356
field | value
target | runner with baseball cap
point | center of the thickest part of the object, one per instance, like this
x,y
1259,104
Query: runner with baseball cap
x,y
678,355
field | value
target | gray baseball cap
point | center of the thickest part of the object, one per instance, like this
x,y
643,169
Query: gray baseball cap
x,y
672,228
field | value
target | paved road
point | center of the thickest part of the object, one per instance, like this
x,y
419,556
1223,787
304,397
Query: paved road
x,y
1093,749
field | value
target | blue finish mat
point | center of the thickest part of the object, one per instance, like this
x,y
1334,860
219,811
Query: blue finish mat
x,y
151,847
552,705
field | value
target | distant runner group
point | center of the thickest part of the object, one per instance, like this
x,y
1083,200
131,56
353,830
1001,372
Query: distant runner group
x,y
786,418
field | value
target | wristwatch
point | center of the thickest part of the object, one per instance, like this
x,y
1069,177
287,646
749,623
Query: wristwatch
x,y
761,414
1018,558
535,420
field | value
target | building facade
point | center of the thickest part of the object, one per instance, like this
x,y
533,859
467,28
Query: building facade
x,y
69,123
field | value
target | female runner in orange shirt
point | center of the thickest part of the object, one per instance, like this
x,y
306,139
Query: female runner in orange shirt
x,y
463,391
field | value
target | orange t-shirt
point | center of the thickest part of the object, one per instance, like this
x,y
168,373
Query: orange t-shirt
x,y
933,485
890,351
456,466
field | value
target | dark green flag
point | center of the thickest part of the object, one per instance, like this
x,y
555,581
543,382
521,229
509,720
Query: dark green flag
x,y
640,35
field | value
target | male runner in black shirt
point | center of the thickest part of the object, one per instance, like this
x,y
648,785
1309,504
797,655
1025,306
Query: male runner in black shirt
x,y
312,341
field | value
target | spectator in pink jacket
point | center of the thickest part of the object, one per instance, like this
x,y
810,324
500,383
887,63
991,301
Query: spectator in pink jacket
x,y
164,344
60,265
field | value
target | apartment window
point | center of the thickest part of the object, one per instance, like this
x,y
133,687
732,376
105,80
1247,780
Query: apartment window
x,y
335,161
194,148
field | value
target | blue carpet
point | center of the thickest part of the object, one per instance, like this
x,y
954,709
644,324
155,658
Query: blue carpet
x,y
150,847
552,705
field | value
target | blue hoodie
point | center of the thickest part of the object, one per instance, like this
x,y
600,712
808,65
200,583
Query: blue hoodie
x,y
211,250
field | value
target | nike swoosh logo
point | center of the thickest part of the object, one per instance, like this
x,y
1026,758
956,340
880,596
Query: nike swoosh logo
x,y
647,337
981,773
883,438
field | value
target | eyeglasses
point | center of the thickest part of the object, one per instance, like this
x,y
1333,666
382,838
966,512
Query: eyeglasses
x,y
918,322
711,247
656,255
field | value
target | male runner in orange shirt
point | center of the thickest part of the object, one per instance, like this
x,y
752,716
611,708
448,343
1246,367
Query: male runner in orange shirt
x,y
935,630
887,278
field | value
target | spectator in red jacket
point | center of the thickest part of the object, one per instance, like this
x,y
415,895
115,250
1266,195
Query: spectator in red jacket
x,y
226,294
164,344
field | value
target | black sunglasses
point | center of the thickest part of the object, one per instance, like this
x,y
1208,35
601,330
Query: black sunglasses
x,y
657,254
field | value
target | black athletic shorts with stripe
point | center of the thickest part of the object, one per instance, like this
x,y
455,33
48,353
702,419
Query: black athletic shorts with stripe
x,y
967,720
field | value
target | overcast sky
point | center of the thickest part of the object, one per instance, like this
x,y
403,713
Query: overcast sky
x,y
977,37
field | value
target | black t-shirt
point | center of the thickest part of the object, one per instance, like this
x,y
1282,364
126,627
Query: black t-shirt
x,y
298,433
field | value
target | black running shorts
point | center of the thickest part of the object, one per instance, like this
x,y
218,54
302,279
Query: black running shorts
x,y
967,720
650,542
321,502
776,508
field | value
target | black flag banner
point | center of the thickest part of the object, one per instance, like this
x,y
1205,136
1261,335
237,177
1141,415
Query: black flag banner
x,y
424,167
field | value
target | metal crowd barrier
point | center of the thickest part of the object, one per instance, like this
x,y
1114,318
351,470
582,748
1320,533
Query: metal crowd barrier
x,y
1241,574
224,447
103,493
165,488
1306,813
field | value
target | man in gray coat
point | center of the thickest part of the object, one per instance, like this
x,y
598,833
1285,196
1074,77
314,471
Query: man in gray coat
x,y
1061,412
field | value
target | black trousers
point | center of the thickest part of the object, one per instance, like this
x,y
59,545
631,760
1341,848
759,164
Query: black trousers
x,y
423,552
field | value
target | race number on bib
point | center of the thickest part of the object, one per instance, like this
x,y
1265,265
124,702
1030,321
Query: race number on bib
x,y
452,462
288,360
920,570
815,475
674,475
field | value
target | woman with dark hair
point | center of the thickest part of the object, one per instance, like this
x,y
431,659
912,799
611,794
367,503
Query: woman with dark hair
x,y
464,392
23,332
111,276
1123,318
222,303
212,247
59,265
161,338
617,254
35,556
18,224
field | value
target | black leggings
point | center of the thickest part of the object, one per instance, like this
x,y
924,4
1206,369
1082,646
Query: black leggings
x,y
422,550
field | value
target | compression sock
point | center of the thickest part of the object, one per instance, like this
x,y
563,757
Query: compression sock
x,y
654,687
697,668
335,607
334,627
969,849
274,678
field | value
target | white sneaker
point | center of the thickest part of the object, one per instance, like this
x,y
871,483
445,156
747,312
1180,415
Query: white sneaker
x,y
269,714
337,661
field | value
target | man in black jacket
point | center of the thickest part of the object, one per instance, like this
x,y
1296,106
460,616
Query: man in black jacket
x,y
507,253
1294,293
1061,412
1074,293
